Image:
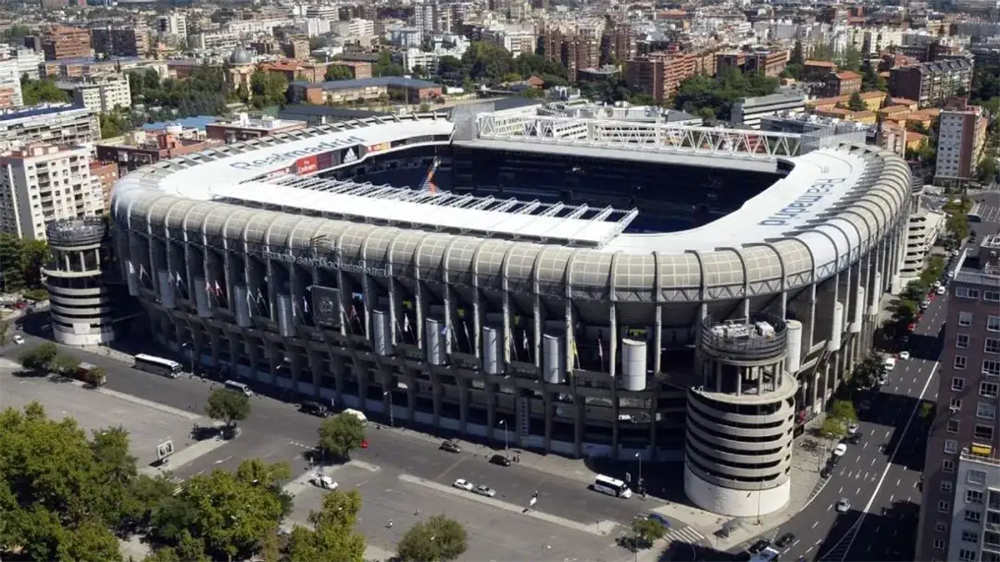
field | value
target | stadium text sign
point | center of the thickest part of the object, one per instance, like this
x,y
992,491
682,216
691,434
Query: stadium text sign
x,y
325,263
802,204
279,157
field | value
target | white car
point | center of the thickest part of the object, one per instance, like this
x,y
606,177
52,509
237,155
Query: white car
x,y
889,363
904,355
323,481
941,290
839,450
852,429
463,484
18,339
843,505
485,491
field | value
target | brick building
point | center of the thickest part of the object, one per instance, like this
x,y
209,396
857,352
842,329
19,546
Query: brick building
x,y
659,74
841,84
149,148
931,83
61,41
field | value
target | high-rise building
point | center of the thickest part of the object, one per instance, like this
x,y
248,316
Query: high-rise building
x,y
61,41
575,47
43,182
172,24
659,74
59,124
960,510
931,83
121,41
961,138
101,93
10,84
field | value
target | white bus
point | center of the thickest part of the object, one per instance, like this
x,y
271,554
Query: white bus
x,y
157,365
611,486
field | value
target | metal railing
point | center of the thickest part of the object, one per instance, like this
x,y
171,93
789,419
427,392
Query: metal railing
x,y
747,342
76,232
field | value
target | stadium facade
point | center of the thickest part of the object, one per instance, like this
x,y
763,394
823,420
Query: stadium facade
x,y
596,287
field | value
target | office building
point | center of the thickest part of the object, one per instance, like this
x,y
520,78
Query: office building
x,y
172,24
841,84
43,182
931,83
101,94
10,84
245,128
961,138
120,41
963,440
59,124
659,74
748,112
61,41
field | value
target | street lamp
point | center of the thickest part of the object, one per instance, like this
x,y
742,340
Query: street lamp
x,y
189,346
505,447
392,422
638,482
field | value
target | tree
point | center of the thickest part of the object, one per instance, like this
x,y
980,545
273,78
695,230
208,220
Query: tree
x,y
385,67
333,536
449,65
867,372
64,364
34,92
34,255
844,410
10,258
486,62
851,59
338,72
228,405
15,34
437,539
114,124
833,428
870,79
797,56
40,357
647,531
855,103
339,434
267,88
987,169
719,93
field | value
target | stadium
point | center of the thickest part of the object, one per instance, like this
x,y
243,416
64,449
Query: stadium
x,y
578,286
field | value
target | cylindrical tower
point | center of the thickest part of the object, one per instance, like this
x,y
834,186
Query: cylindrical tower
x,y
740,418
80,300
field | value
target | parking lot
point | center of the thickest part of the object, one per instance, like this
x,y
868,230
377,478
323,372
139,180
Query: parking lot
x,y
500,528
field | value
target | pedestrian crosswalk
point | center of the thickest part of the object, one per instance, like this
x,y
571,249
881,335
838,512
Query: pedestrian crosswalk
x,y
684,534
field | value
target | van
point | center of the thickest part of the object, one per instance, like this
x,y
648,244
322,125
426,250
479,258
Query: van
x,y
238,387
358,414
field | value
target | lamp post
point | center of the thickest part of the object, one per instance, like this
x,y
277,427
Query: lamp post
x,y
392,422
189,346
638,482
505,453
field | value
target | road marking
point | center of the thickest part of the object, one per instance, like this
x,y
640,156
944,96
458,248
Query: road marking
x,y
858,491
891,496
793,544
898,480
841,490
817,522
887,433
878,486
873,463
220,461
808,549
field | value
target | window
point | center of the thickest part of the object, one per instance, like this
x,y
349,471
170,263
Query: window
x,y
970,536
992,323
952,426
973,496
984,432
960,361
988,389
992,345
948,465
939,544
964,318
991,296
966,293
976,477
986,411
956,404
944,506
957,384
991,367
941,527
966,555
962,341
946,485
950,446
973,516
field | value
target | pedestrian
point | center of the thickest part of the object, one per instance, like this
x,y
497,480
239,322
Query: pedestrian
x,y
389,524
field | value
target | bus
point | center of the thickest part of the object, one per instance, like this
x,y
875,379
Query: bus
x,y
611,486
157,365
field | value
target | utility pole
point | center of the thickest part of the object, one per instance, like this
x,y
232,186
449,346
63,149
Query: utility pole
x,y
392,421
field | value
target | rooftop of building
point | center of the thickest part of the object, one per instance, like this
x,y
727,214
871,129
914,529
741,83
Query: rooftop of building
x,y
196,122
34,111
823,63
774,98
393,81
266,123
848,75
92,60
980,265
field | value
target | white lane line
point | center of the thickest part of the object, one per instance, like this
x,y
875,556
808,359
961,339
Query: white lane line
x,y
898,480
858,491
817,522
793,544
887,433
891,496
873,464
878,486
841,490
808,549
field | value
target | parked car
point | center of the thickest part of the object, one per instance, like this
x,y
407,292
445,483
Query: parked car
x,y
784,540
314,408
758,546
826,472
889,363
463,484
323,481
853,428
843,505
904,355
924,304
500,460
941,290
659,519
450,446
485,491
840,450
18,339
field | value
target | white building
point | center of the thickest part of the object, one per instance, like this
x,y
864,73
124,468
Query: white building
x,y
100,94
961,138
172,24
922,230
748,112
519,40
10,84
28,61
975,518
60,124
41,183
221,40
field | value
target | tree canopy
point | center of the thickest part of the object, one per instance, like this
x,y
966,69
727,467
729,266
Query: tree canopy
x,y
855,103
34,92
338,72
228,405
267,88
333,536
435,540
339,434
203,93
718,93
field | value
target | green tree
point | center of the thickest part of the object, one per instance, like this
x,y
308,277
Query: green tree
x,y
339,434
833,428
228,405
486,62
40,357
15,34
385,67
338,72
647,531
11,275
34,92
957,225
114,124
844,409
866,373
870,79
437,539
855,103
64,364
851,60
34,255
797,56
267,88
449,66
987,169
333,536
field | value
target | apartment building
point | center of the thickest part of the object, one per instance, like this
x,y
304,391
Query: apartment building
x,y
106,174
100,93
61,41
961,138
659,74
931,83
60,124
10,84
766,62
518,40
841,84
922,230
172,24
575,46
120,41
42,183
748,112
28,61
958,514
245,128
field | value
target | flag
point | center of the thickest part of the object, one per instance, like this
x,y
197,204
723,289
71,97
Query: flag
x,y
218,289
179,280
131,268
576,355
524,341
305,304
260,295
406,323
249,302
600,349
465,328
142,270
208,286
